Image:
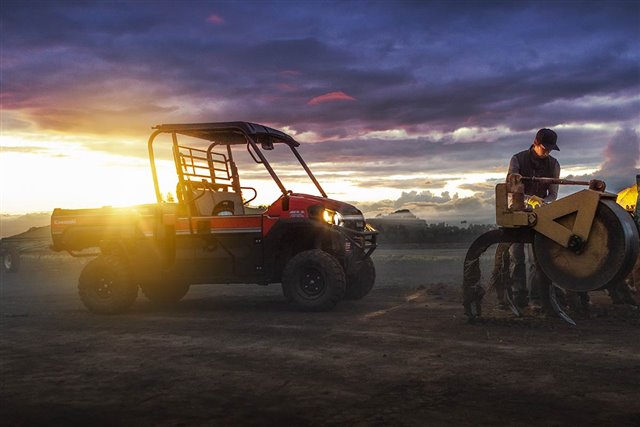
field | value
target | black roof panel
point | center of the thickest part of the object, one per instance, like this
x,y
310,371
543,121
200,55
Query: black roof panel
x,y
224,130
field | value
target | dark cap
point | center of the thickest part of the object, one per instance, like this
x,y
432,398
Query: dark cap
x,y
548,138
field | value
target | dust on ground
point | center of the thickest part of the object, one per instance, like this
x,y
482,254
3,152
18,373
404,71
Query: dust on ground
x,y
239,355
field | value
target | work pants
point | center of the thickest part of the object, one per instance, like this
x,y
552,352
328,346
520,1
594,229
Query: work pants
x,y
538,281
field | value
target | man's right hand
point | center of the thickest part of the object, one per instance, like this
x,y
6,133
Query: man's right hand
x,y
514,178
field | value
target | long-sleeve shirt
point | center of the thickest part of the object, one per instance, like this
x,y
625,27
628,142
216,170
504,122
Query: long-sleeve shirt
x,y
547,167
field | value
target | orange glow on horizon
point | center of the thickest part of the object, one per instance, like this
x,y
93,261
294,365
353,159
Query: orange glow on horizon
x,y
41,172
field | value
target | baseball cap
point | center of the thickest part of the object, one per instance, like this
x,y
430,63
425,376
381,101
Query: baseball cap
x,y
548,138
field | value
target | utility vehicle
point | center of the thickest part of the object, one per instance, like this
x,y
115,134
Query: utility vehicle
x,y
318,248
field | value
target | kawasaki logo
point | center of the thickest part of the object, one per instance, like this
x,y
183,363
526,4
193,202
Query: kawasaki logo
x,y
64,222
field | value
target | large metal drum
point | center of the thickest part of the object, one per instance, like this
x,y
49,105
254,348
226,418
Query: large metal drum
x,y
607,257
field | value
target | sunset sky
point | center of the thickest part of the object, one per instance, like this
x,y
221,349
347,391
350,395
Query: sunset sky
x,y
416,105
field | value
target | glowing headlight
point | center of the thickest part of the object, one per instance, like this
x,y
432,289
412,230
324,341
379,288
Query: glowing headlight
x,y
332,217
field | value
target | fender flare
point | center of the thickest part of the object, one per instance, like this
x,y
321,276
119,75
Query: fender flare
x,y
280,235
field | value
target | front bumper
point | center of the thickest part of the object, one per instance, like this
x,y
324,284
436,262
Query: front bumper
x,y
362,243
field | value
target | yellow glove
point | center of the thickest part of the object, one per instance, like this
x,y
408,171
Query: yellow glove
x,y
534,201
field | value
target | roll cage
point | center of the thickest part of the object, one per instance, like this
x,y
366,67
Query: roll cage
x,y
204,168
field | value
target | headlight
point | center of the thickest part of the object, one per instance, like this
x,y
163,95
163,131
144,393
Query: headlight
x,y
332,217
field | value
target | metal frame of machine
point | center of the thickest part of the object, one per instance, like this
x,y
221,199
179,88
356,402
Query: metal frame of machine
x,y
565,225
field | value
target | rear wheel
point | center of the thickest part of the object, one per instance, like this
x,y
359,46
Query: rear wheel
x,y
360,282
10,260
164,293
105,285
314,280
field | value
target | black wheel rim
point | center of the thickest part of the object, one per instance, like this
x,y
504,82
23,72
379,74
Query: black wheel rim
x,y
104,286
312,282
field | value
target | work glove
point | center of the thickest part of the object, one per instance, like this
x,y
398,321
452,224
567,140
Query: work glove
x,y
534,201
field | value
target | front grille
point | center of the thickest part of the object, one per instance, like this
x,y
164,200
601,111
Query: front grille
x,y
354,222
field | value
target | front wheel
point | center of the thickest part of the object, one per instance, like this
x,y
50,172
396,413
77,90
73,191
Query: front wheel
x,y
105,285
360,282
314,280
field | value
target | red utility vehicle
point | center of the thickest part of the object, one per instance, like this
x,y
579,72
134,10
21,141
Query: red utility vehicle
x,y
318,248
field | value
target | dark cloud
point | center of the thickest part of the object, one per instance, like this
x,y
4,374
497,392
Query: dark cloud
x,y
482,187
425,198
379,207
435,208
425,70
435,69
620,161
393,182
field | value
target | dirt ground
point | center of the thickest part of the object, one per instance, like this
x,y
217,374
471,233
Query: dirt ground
x,y
238,355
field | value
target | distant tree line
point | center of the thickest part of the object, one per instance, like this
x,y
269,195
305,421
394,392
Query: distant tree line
x,y
427,233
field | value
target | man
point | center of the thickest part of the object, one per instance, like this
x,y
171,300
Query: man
x,y
534,162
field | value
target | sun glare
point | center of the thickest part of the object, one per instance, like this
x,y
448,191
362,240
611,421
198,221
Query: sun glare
x,y
42,174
